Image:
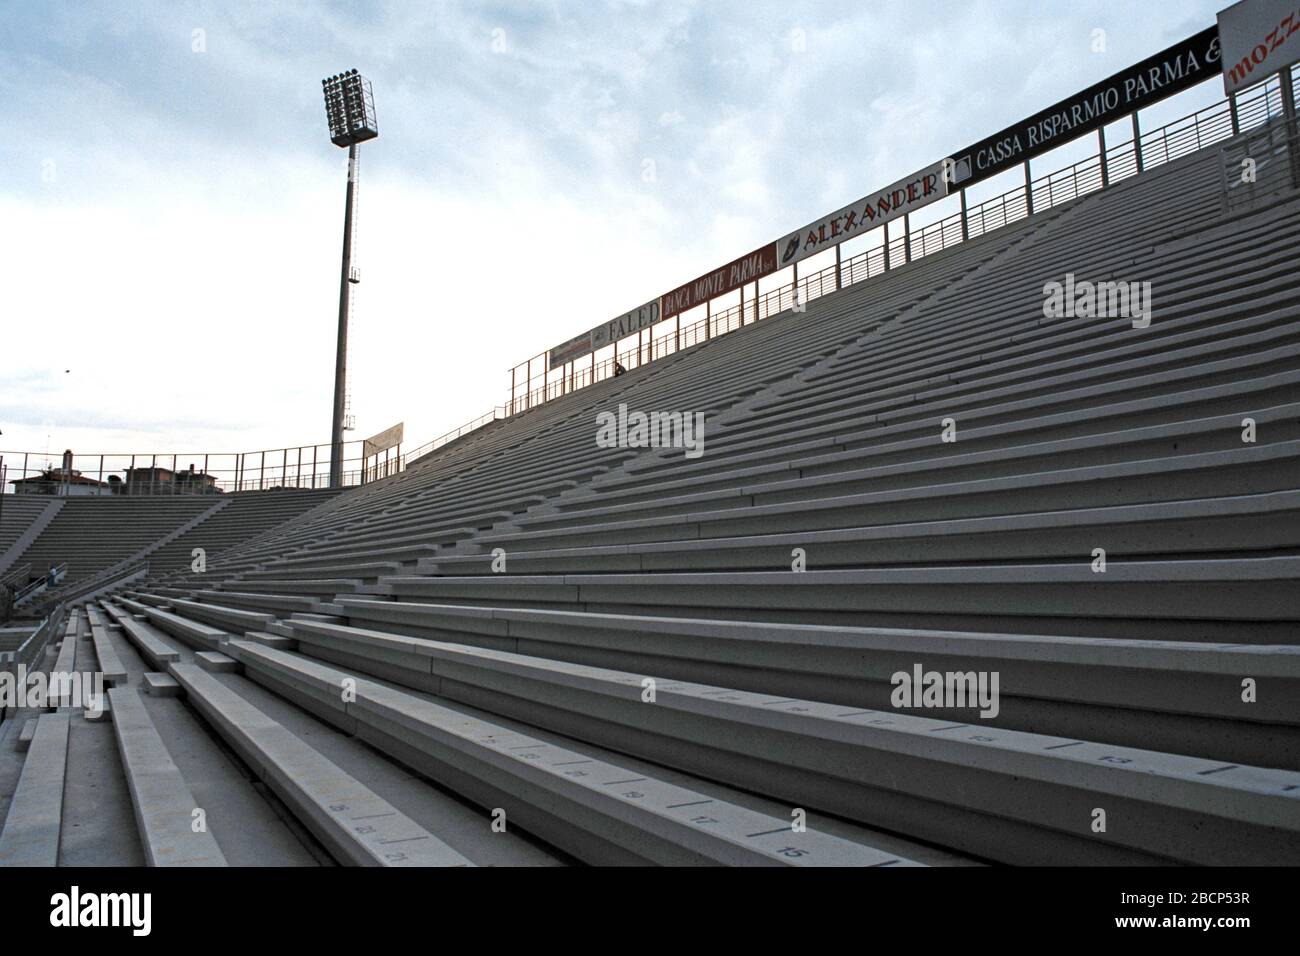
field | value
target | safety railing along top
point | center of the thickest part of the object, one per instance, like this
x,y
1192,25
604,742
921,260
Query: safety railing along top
x,y
1151,149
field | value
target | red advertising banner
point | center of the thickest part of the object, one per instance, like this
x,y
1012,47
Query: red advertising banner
x,y
733,275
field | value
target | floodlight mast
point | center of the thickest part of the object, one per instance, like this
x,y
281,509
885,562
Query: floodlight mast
x,y
350,112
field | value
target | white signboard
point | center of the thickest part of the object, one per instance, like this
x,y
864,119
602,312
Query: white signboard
x,y
1258,38
626,324
905,196
385,440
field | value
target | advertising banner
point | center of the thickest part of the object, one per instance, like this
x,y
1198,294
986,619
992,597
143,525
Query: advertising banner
x,y
1259,37
1182,65
629,323
385,440
907,195
755,265
574,349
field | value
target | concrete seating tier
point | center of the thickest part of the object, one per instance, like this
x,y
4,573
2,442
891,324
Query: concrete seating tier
x,y
634,657
246,517
91,533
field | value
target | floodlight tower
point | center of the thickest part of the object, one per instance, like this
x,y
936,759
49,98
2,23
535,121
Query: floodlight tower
x,y
350,110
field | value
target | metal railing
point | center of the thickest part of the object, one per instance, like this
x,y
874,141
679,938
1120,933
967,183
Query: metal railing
x,y
118,574
35,588
16,576
30,649
499,412
1181,137
106,474
1260,164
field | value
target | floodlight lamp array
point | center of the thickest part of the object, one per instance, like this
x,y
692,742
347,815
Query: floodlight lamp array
x,y
349,108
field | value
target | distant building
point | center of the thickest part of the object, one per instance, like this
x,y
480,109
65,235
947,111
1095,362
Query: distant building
x,y
64,481
154,480
57,481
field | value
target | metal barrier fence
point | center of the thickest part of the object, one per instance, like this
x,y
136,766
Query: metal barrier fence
x,y
16,577
120,573
26,653
80,473
1148,150
1259,165
50,579
497,413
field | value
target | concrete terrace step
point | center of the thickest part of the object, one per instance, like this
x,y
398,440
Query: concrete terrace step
x,y
110,665
1073,596
299,586
357,826
265,603
26,735
595,810
870,765
1180,696
902,442
1223,473
218,615
31,831
873,467
147,640
66,660
190,632
1245,523
163,802
363,570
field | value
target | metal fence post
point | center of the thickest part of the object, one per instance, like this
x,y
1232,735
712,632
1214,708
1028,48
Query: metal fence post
x,y
1101,148
1137,141
1288,110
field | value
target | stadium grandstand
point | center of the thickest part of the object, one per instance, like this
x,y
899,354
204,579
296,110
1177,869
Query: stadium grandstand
x,y
980,548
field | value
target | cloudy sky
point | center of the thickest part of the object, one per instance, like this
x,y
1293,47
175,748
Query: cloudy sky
x,y
171,206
